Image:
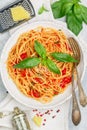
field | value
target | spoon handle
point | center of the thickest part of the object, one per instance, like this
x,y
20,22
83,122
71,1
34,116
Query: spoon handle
x,y
82,95
76,114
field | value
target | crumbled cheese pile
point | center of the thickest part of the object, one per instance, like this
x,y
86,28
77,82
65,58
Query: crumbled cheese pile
x,y
19,13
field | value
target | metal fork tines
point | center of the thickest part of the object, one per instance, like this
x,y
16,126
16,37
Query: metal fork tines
x,y
75,49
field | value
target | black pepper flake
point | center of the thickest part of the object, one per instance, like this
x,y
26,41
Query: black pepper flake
x,y
34,110
57,110
43,123
47,112
54,116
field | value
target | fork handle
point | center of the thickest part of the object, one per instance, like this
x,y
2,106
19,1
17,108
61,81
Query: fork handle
x,y
76,114
82,95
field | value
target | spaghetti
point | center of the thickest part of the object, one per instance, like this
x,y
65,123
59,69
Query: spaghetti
x,y
39,82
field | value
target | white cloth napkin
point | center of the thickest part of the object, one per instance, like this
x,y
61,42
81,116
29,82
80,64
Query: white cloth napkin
x,y
56,118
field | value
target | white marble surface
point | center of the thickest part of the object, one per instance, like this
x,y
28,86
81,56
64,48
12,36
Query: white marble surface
x,y
82,35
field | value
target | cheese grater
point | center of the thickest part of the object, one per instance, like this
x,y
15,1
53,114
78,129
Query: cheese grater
x,y
6,20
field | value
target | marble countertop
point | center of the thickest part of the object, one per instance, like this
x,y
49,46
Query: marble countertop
x,y
82,35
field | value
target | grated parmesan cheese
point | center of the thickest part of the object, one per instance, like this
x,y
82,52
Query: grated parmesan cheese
x,y
19,13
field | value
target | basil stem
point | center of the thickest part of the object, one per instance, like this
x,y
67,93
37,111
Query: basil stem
x,y
42,9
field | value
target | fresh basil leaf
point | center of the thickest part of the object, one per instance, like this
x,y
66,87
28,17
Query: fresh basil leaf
x,y
52,66
64,1
57,8
28,63
73,10
84,13
55,4
63,57
42,9
77,12
73,24
76,1
66,7
40,49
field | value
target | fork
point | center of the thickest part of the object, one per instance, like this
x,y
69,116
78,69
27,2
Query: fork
x,y
76,114
76,53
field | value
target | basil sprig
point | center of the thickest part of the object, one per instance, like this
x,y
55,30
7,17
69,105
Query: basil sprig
x,y
44,59
41,51
75,13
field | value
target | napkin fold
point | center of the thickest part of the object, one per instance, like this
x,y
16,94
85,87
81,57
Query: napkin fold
x,y
55,118
52,119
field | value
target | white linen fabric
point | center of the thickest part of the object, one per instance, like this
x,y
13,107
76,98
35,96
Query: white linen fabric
x,y
56,118
60,120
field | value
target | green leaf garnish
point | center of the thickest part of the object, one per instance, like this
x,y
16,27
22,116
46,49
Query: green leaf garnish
x,y
42,9
40,49
44,59
66,7
75,1
52,66
57,8
73,23
75,13
63,57
28,63
84,13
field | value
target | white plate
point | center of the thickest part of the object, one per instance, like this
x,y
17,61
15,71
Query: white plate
x,y
11,87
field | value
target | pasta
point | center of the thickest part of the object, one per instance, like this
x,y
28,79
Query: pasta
x,y
39,82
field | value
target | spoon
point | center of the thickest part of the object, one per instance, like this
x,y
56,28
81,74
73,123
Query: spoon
x,y
76,114
76,53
